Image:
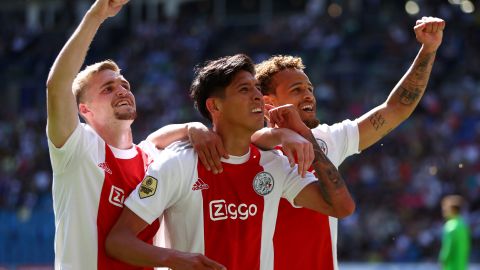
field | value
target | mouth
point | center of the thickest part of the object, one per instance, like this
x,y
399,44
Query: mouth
x,y
122,103
258,110
309,108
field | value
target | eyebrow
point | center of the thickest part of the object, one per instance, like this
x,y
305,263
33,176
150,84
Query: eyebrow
x,y
244,84
106,84
123,81
300,83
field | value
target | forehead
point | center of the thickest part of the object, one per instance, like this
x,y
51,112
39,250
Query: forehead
x,y
242,77
101,77
289,77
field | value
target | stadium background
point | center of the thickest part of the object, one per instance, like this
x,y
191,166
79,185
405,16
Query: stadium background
x,y
355,52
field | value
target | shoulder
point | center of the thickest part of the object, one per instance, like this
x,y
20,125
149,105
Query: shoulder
x,y
273,157
179,155
324,129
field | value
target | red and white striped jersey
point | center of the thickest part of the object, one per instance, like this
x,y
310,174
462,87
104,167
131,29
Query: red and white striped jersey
x,y
90,182
229,217
305,239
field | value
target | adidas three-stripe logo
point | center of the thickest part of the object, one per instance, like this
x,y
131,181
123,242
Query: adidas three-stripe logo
x,y
199,185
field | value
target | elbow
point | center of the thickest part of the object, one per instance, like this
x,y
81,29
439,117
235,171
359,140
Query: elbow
x,y
347,209
112,245
50,83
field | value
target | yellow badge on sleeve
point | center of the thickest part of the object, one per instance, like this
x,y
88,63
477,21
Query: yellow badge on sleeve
x,y
147,187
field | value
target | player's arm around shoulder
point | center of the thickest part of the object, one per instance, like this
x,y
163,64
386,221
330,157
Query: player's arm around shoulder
x,y
329,195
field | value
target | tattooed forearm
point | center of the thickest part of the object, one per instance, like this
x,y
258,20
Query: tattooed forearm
x,y
414,84
327,173
377,120
408,97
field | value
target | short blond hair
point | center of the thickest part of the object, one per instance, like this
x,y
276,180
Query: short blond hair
x,y
266,69
83,77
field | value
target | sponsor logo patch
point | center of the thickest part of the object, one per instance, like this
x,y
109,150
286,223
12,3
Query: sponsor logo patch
x,y
221,210
147,187
199,185
263,183
117,196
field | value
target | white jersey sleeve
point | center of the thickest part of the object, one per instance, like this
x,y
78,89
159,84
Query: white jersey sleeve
x,y
338,141
165,183
292,183
150,148
83,142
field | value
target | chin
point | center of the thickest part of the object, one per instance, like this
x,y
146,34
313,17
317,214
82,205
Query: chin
x,y
311,122
126,115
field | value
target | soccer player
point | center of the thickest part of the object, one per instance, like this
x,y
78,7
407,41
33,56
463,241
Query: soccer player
x,y
228,219
456,236
303,238
95,165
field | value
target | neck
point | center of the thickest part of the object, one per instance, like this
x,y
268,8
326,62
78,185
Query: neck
x,y
117,134
235,141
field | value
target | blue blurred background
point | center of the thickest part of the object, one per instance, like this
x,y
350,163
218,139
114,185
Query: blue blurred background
x,y
355,52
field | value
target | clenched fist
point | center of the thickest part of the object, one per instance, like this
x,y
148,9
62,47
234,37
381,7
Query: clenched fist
x,y
429,32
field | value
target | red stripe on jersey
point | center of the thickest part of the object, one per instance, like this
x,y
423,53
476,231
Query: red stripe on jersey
x,y
233,213
306,230
124,177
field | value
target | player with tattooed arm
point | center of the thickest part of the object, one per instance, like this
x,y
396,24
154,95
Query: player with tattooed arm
x,y
305,239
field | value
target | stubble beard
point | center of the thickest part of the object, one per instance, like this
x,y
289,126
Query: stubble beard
x,y
132,115
311,123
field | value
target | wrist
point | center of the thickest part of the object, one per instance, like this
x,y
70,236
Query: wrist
x,y
168,258
93,15
429,48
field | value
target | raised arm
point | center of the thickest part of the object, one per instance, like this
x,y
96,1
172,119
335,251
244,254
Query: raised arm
x,y
122,244
406,95
329,195
62,111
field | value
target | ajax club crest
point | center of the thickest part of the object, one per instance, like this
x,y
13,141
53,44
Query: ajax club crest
x,y
263,183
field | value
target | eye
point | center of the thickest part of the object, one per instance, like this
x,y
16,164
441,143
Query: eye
x,y
107,90
296,90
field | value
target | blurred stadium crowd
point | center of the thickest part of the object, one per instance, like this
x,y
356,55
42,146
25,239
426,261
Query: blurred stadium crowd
x,y
355,52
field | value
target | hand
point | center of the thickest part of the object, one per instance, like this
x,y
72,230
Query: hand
x,y
208,145
429,32
104,9
285,116
295,145
189,261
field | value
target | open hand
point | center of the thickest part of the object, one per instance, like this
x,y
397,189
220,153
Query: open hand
x,y
209,147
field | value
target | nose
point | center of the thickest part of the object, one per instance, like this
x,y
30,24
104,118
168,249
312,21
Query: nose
x,y
308,95
257,95
121,91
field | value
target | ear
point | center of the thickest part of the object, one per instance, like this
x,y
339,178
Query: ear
x,y
213,105
83,109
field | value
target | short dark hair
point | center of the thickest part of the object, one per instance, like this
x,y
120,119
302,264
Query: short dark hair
x,y
214,76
